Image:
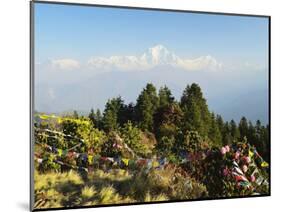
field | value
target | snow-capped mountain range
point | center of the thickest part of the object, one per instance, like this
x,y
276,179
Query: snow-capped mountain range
x,y
65,84
155,56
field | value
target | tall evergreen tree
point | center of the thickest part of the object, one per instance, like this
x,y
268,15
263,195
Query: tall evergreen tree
x,y
127,113
196,113
111,114
265,138
234,131
147,103
220,123
92,116
214,131
258,130
261,141
243,127
165,96
251,133
167,122
98,119
193,119
226,135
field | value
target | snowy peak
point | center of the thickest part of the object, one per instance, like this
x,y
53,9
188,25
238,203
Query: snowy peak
x,y
155,56
159,55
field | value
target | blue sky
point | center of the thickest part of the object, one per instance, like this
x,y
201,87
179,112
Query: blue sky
x,y
74,45
81,32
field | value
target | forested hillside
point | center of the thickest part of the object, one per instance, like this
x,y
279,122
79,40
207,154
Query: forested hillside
x,y
157,148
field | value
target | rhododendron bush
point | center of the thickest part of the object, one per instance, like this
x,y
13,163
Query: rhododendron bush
x,y
230,171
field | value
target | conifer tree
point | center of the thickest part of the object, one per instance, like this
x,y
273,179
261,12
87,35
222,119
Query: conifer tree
x,y
98,119
167,122
92,116
111,113
252,135
243,127
234,131
127,113
165,96
220,123
214,131
147,103
196,113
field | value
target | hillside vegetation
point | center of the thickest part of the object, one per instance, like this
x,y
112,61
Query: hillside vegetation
x,y
156,149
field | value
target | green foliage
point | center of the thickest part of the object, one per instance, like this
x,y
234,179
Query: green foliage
x,y
132,137
216,171
196,113
258,136
230,133
79,127
111,114
243,127
96,118
234,131
165,96
108,149
167,124
193,142
214,132
146,106
95,141
165,145
49,163
185,134
127,113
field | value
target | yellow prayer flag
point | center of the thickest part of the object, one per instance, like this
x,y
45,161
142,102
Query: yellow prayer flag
x,y
44,117
126,161
264,164
59,152
251,154
155,164
90,159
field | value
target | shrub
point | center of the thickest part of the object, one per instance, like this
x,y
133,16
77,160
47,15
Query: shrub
x,y
88,192
132,137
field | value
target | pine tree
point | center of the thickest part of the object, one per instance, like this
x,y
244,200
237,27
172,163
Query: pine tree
x,y
127,113
261,141
220,124
165,96
234,131
167,122
196,113
251,133
147,103
214,131
98,119
193,119
243,127
111,114
92,116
